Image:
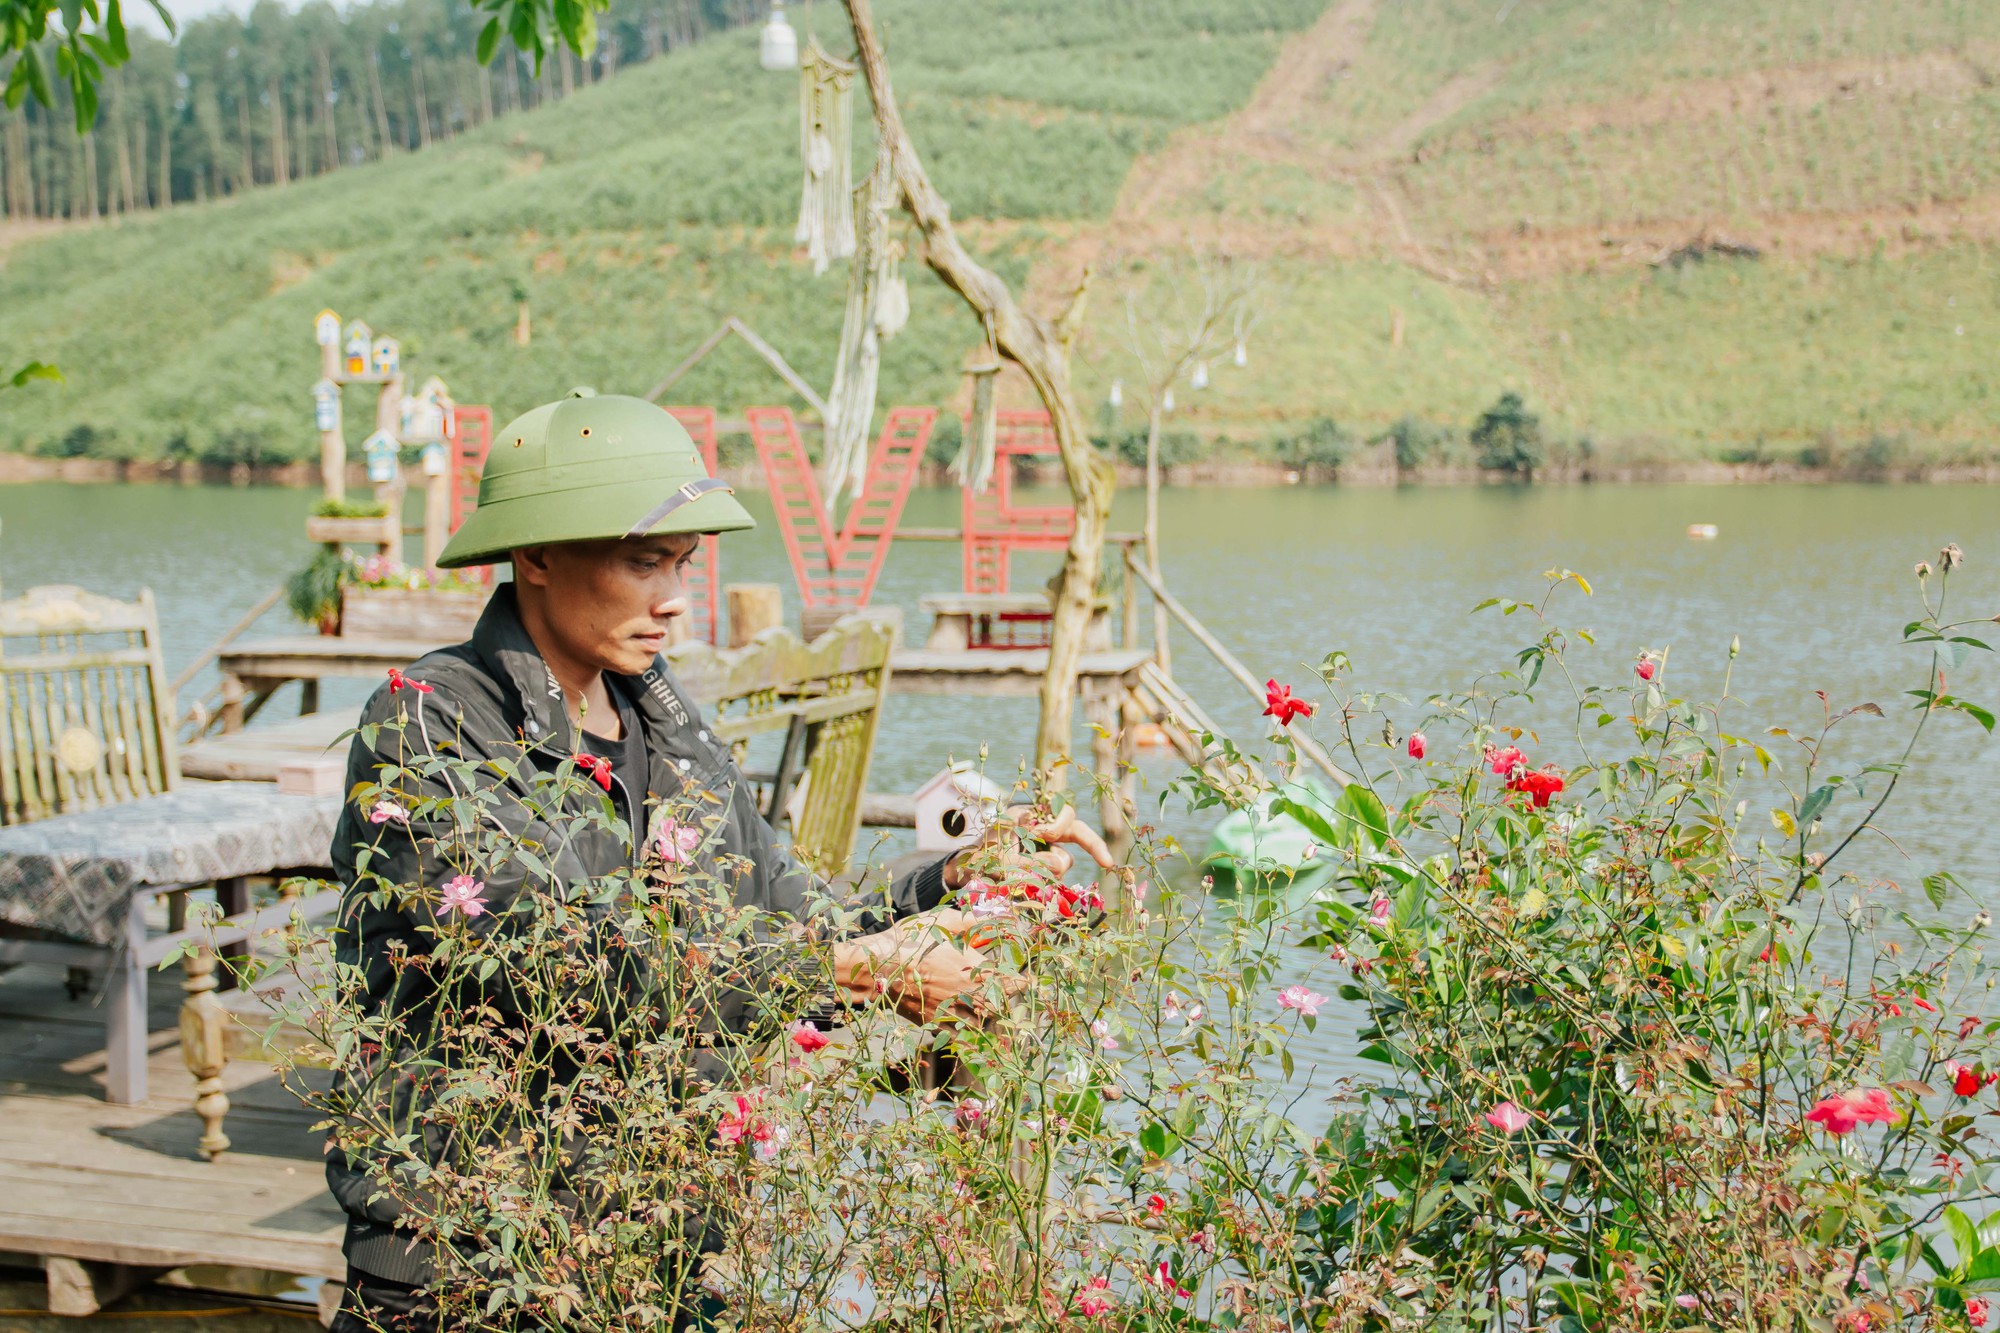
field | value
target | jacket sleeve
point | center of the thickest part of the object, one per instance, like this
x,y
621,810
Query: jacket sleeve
x,y
785,887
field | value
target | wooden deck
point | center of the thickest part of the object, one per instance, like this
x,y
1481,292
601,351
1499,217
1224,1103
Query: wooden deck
x,y
82,1179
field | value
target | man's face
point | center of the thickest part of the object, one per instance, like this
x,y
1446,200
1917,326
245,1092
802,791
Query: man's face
x,y
607,603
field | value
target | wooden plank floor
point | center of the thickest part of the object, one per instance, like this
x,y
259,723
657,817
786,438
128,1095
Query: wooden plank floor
x,y
124,1184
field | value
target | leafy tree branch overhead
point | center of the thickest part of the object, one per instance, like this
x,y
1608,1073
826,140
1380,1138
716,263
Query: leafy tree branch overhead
x,y
90,36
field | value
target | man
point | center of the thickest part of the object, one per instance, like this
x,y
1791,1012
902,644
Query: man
x,y
599,502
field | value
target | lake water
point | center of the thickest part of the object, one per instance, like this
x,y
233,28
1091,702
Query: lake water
x,y
1815,581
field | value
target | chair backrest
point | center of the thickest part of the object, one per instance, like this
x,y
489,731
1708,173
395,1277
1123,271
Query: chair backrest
x,y
826,697
86,718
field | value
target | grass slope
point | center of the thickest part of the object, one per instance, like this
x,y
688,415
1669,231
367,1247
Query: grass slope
x,y
634,216
1491,176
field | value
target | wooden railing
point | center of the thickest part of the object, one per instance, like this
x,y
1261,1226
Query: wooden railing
x,y
1306,745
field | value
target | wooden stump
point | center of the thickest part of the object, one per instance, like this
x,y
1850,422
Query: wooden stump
x,y
753,608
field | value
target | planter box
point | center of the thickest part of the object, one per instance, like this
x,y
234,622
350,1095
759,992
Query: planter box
x,y
384,531
424,615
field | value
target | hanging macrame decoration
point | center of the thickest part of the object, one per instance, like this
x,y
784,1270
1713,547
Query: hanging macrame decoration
x,y
1199,376
974,465
826,134
878,305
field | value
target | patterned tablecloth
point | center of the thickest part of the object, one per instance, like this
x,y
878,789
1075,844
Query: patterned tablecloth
x,y
73,875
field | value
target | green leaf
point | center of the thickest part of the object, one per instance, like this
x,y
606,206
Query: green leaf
x,y
1819,800
1937,887
489,41
1366,809
34,370
1964,1237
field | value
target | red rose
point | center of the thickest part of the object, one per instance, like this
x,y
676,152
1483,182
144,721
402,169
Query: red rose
x,y
1280,703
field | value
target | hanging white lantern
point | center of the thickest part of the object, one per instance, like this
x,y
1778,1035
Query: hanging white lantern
x,y
778,45
1117,396
1167,400
1199,377
1242,357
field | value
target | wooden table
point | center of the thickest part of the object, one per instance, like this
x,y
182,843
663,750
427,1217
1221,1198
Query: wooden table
x,y
1011,620
253,671
80,884
257,754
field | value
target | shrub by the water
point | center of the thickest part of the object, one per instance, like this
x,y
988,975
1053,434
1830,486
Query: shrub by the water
x,y
1320,446
1417,442
1508,437
1649,1055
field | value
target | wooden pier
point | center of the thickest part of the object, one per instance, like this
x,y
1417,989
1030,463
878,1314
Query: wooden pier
x,y
106,1196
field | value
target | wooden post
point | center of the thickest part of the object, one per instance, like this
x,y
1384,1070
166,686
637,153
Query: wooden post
x,y
333,464
1101,714
437,518
753,608
204,1031
333,443
79,1288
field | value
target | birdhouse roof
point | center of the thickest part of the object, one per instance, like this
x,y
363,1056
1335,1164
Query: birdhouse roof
x,y
962,781
381,439
386,341
358,329
326,314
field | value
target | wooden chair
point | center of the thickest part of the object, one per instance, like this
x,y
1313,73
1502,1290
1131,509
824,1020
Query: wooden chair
x,y
826,697
86,718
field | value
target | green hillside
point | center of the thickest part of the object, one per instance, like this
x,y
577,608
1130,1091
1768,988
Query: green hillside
x,y
1450,198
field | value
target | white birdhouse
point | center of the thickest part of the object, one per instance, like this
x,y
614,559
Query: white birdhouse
x,y
388,354
955,807
435,461
354,356
778,44
326,328
1117,396
423,421
380,450
326,405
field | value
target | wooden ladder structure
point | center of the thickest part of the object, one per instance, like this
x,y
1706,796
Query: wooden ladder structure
x,y
837,569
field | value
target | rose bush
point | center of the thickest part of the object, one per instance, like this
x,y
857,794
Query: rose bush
x,y
1649,1055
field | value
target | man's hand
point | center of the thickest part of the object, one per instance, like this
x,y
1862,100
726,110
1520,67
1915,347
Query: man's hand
x,y
1018,845
919,969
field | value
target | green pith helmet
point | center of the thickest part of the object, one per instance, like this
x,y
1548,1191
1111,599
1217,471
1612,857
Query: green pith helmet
x,y
590,467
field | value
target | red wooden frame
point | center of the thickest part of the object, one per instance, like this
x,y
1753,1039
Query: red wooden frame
x,y
470,428
838,570
995,527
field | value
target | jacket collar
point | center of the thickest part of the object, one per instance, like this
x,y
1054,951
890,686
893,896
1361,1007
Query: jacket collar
x,y
503,642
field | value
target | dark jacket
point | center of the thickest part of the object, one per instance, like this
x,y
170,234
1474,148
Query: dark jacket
x,y
488,699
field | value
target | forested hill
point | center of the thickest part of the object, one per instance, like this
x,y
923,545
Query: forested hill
x,y
1737,229
285,93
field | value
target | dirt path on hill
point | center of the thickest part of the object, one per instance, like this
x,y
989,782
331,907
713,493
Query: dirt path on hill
x,y
1161,207
1264,129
